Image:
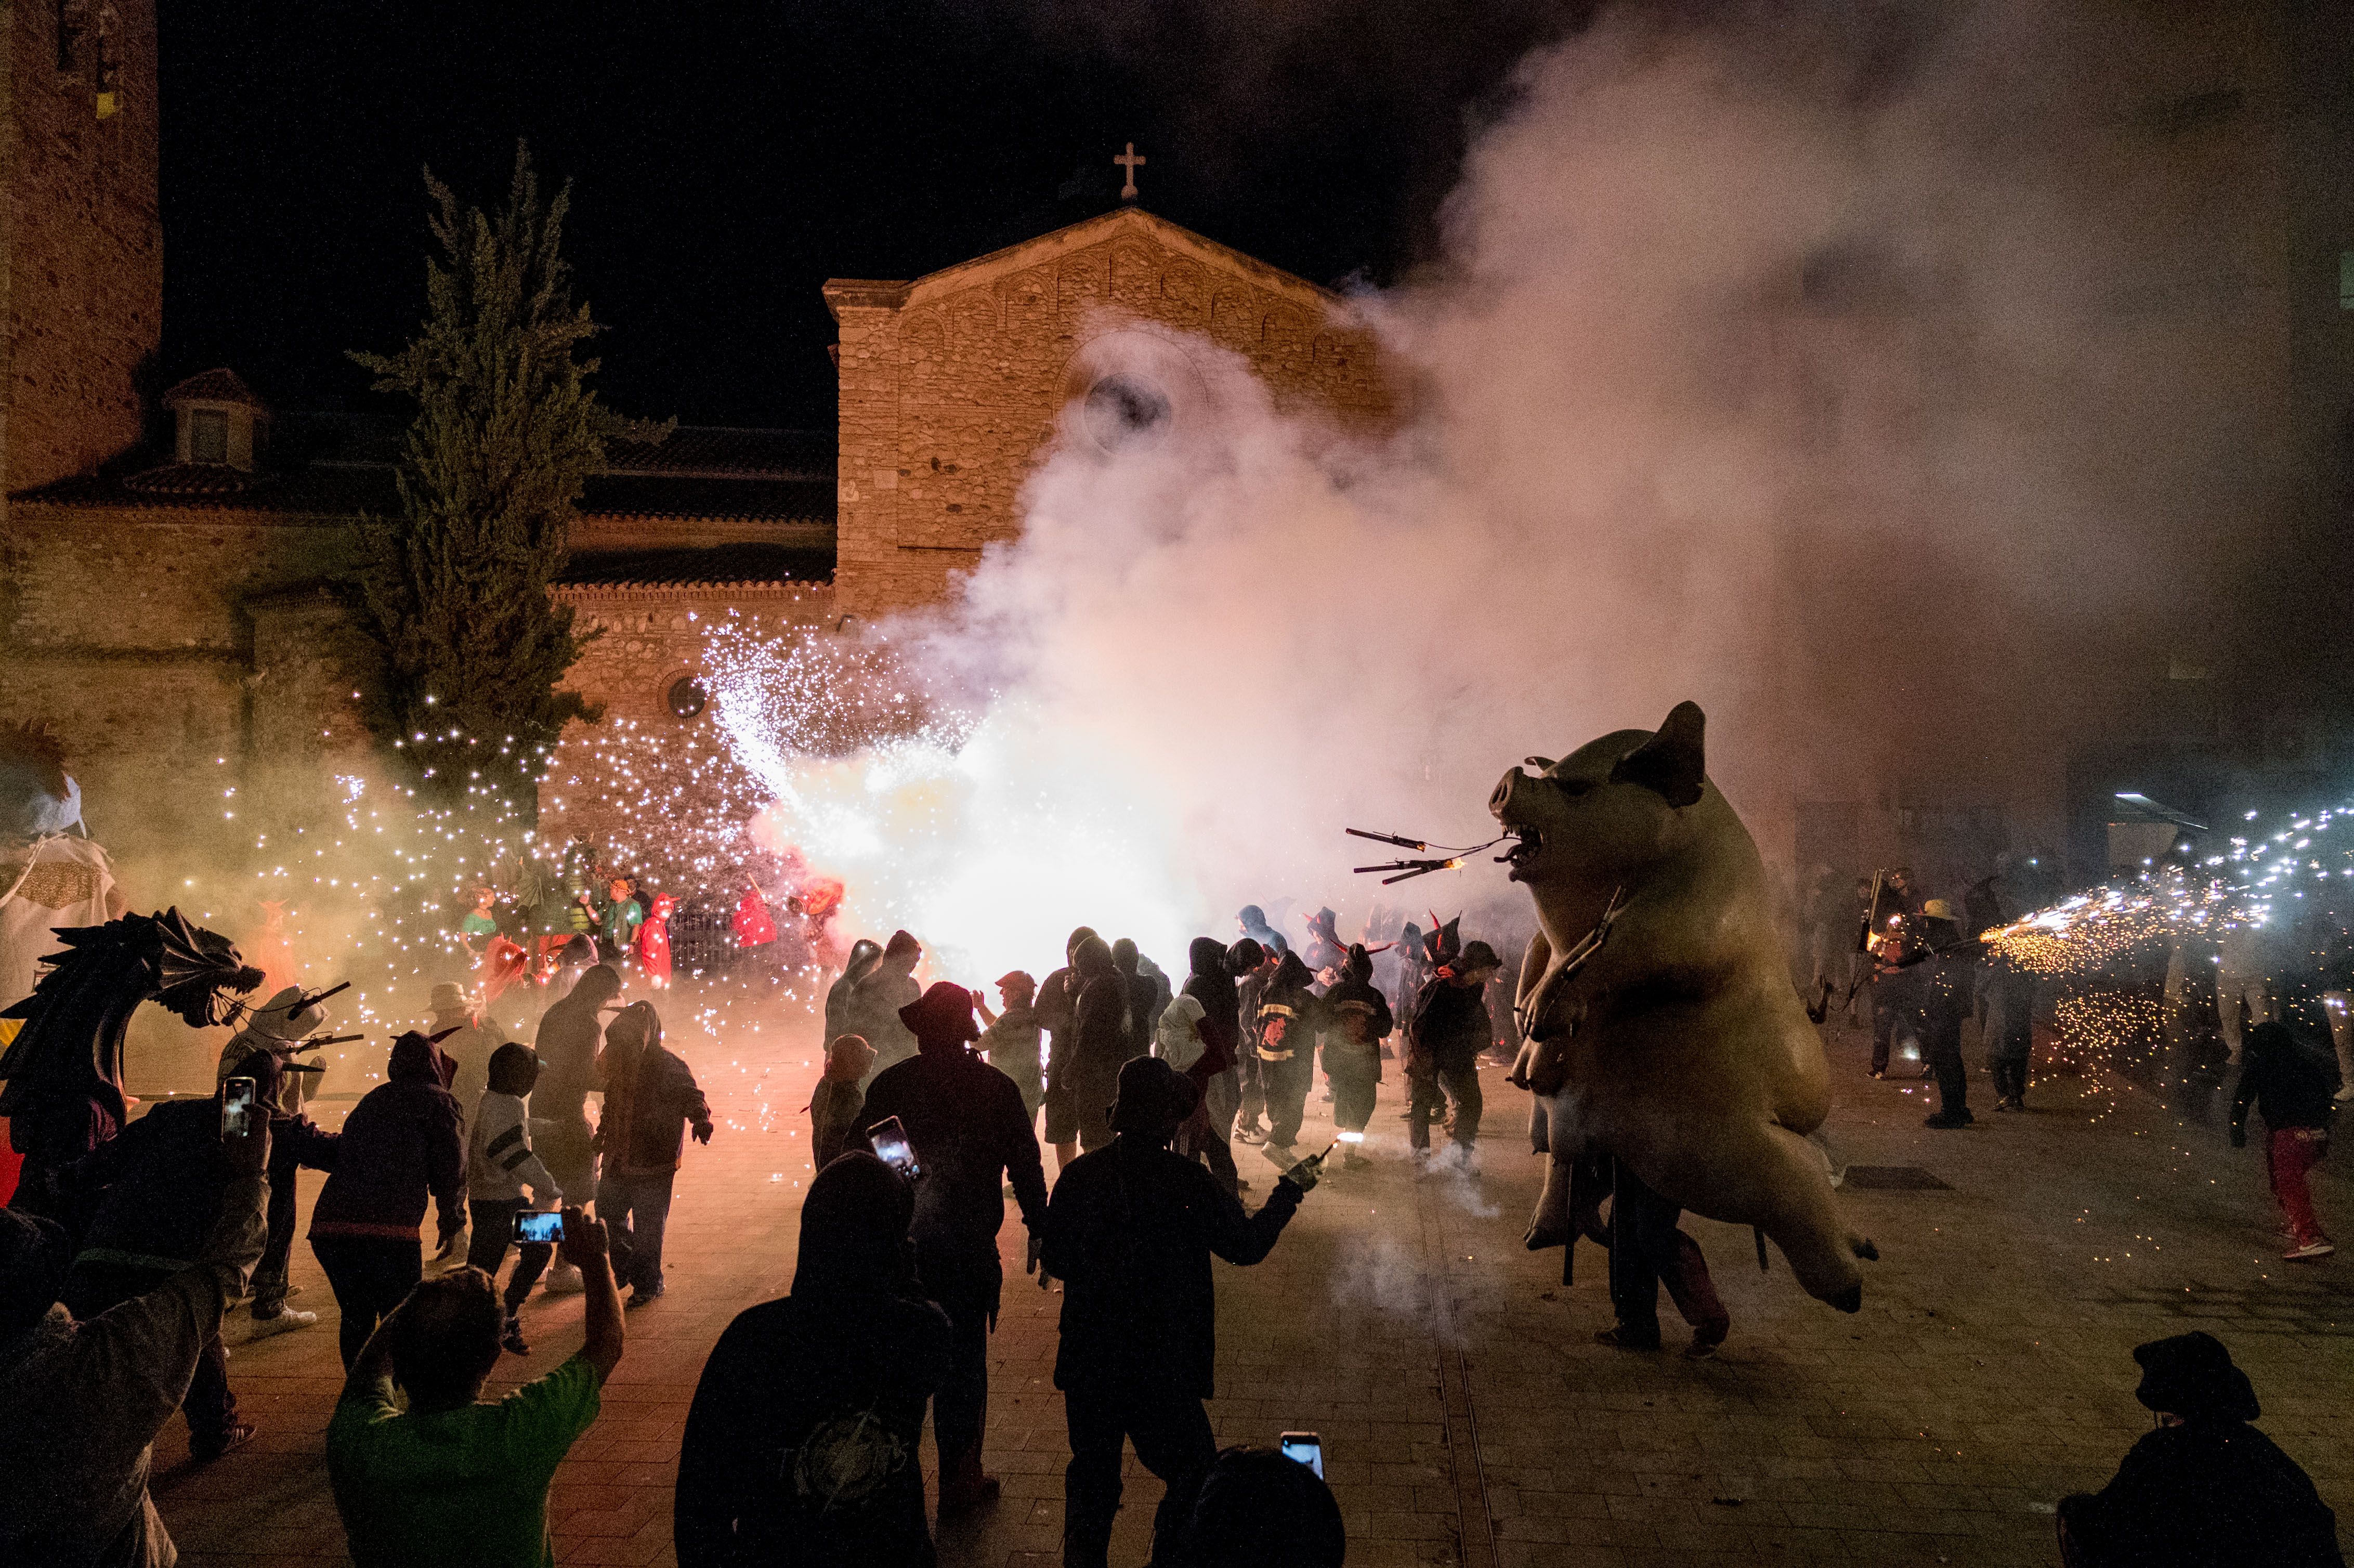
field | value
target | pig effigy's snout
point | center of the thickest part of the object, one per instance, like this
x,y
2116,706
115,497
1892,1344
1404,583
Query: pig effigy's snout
x,y
1501,801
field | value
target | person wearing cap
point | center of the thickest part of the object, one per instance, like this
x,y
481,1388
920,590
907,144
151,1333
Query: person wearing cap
x,y
876,1002
571,1031
1012,1040
2205,1489
86,1396
1449,1029
403,1144
1948,965
964,1119
800,1446
651,1099
466,1038
1131,1231
276,1030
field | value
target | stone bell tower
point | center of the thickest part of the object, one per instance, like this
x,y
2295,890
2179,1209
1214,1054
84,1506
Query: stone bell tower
x,y
81,249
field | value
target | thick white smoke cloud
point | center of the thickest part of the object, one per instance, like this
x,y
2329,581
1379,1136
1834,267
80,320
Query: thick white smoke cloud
x,y
1879,402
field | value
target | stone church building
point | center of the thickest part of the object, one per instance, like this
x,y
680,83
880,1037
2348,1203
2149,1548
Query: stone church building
x,y
165,566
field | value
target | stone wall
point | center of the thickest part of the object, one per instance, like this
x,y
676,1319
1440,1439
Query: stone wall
x,y
951,387
82,309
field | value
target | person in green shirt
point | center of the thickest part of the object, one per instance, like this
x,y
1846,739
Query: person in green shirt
x,y
480,927
451,1479
623,917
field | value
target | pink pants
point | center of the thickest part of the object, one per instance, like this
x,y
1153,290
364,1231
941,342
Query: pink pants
x,y
2292,1152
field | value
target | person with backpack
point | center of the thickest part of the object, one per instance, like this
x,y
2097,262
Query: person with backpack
x,y
800,1445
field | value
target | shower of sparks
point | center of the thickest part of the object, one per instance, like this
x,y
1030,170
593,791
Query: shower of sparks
x,y
2267,925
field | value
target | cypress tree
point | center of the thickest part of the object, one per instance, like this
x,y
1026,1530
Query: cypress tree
x,y
453,590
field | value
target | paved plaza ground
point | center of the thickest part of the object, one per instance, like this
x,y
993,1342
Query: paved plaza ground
x,y
1467,1416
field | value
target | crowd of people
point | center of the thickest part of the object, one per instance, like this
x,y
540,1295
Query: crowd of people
x,y
933,1108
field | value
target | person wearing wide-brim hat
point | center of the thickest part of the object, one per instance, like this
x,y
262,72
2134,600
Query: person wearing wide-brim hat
x,y
2204,1489
965,1122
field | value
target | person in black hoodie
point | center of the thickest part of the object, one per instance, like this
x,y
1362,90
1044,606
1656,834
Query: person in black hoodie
x,y
1058,1014
800,1449
1131,1231
1090,1049
2204,1490
404,1142
1356,1021
1252,966
1208,1131
1289,1014
2290,1086
964,1119
1449,1029
153,1193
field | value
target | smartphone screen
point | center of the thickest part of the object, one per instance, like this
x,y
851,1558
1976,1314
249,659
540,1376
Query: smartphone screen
x,y
889,1139
544,1227
1305,1448
236,1106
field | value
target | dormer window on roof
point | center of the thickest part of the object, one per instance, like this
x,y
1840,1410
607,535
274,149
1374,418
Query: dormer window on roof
x,y
218,420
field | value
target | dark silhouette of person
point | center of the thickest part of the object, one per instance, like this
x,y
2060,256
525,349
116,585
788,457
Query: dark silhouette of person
x,y
2205,1489
1131,1231
800,1449
1085,1066
970,1134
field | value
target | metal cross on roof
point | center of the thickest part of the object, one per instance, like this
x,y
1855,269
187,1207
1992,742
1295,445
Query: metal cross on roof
x,y
1129,161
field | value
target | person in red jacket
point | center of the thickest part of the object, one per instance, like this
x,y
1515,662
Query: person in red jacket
x,y
404,1142
651,1097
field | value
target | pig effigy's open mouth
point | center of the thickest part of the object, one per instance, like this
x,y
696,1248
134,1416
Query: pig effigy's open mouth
x,y
1521,853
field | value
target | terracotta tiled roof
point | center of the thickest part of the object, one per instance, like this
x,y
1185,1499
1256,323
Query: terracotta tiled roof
x,y
727,565
206,481
712,451
223,385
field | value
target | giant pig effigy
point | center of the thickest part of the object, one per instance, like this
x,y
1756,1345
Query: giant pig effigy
x,y
1659,1022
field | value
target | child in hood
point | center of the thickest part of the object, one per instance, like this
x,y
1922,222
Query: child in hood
x,y
836,1108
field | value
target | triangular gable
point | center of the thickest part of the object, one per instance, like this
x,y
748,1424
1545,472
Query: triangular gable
x,y
1135,220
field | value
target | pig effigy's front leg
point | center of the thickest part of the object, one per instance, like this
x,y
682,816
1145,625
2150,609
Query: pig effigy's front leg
x,y
1769,1176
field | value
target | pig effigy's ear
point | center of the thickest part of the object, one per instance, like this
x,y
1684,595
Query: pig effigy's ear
x,y
1673,762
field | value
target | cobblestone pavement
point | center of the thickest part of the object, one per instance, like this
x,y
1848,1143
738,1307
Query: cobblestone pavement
x,y
1466,1414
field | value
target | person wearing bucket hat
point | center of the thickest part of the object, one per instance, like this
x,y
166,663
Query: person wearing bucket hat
x,y
1131,1231
1449,1028
965,1120
2205,1489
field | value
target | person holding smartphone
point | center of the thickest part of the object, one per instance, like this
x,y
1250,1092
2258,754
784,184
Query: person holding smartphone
x,y
500,1165
86,1396
969,1134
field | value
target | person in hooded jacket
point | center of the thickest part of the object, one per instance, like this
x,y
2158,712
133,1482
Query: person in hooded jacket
x,y
1147,993
800,1446
1131,1231
276,1031
865,954
1058,1014
876,1002
152,1193
1252,966
1356,1021
403,1144
1215,1020
964,1119
1253,922
2205,1489
1098,1038
1290,1015
571,1032
651,1097
1323,949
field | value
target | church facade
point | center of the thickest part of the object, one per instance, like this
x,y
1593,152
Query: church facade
x,y
167,562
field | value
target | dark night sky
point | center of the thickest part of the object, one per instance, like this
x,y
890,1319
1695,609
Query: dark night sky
x,y
725,160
